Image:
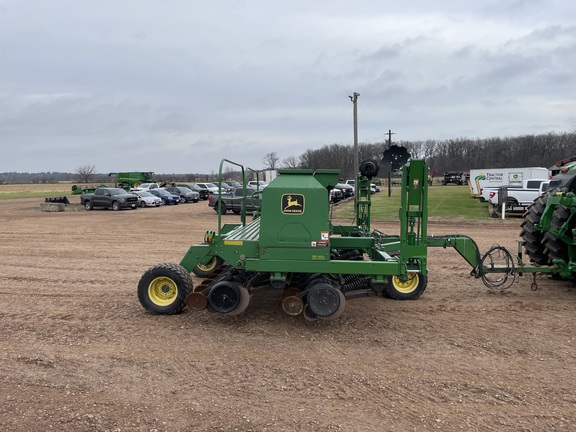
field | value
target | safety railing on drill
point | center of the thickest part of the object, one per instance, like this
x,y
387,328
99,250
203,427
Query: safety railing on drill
x,y
244,197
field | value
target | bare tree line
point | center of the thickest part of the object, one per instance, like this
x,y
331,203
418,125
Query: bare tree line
x,y
456,154
82,175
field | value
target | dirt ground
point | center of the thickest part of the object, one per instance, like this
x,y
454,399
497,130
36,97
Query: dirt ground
x,y
79,353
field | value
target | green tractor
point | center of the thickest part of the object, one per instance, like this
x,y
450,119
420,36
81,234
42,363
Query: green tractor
x,y
549,226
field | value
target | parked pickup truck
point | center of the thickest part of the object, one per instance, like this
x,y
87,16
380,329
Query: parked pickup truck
x,y
233,201
487,193
114,198
520,198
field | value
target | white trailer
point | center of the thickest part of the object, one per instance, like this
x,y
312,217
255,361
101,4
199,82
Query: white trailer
x,y
496,177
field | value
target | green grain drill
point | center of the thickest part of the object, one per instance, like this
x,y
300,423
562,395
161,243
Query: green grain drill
x,y
291,245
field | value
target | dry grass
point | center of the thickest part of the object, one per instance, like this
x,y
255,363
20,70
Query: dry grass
x,y
36,188
25,188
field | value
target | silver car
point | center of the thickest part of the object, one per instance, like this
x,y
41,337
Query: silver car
x,y
146,199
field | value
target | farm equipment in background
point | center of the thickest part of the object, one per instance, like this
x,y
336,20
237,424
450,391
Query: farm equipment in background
x,y
79,190
291,245
562,165
128,180
60,200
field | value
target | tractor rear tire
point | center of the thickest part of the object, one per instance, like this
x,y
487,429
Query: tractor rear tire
x,y
205,270
410,289
163,288
533,239
556,248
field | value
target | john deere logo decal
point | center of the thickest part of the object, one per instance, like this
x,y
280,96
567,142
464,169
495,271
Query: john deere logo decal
x,y
292,204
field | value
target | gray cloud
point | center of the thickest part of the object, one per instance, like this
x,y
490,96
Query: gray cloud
x,y
175,86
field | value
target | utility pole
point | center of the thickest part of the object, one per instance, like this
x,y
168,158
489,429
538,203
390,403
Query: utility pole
x,y
354,100
390,133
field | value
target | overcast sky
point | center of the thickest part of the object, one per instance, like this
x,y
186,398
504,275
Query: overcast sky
x,y
174,86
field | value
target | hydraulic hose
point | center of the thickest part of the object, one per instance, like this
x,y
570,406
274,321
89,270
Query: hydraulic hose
x,y
503,281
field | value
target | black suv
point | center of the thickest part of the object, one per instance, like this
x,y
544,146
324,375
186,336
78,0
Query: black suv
x,y
453,177
347,190
204,193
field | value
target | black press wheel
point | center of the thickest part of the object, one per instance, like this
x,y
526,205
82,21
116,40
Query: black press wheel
x,y
369,168
163,288
325,301
405,287
205,270
228,297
